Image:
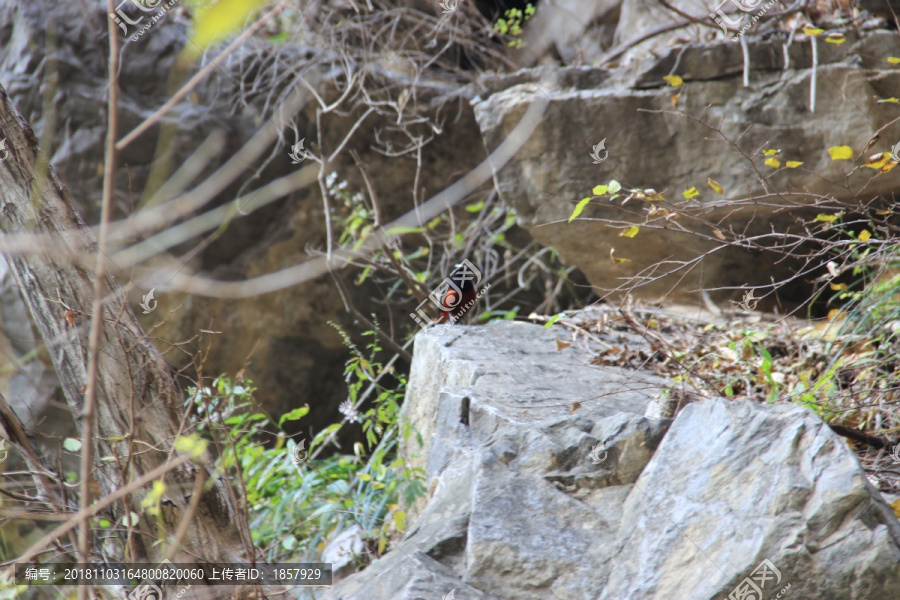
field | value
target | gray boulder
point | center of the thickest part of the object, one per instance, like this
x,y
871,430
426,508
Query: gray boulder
x,y
530,501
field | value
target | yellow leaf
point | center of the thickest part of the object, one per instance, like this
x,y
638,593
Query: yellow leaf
x,y
599,190
715,185
773,162
191,444
835,38
883,213
836,314
630,232
890,100
674,99
840,152
864,235
876,161
579,207
837,287
216,21
893,60
812,30
793,164
674,80
382,543
575,406
400,520
690,193
895,505
888,166
771,152
718,234
829,218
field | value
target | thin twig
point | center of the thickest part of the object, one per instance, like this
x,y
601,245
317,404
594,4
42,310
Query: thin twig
x,y
90,396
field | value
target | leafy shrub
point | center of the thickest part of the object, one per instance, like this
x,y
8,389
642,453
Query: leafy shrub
x,y
296,502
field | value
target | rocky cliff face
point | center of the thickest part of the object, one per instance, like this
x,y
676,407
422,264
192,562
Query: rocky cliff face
x,y
710,132
53,66
547,482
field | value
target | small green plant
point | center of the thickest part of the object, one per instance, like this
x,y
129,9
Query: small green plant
x,y
512,24
297,503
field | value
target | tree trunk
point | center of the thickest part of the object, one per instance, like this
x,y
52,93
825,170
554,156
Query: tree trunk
x,y
139,404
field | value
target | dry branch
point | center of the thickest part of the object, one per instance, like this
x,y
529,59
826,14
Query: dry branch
x,y
138,399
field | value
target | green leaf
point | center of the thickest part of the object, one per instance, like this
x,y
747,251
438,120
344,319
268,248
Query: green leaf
x,y
403,230
614,186
553,320
579,207
599,190
294,415
72,445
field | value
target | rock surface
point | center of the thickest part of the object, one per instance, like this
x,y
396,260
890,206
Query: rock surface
x,y
531,500
650,145
282,339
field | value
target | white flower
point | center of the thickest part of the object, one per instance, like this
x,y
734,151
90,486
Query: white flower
x,y
347,409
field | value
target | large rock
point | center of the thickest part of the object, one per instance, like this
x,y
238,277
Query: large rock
x,y
736,483
649,148
530,501
501,374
